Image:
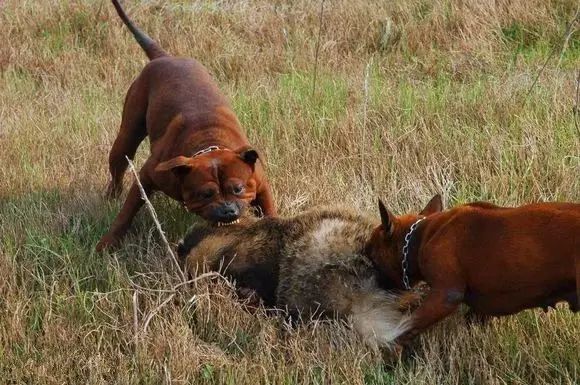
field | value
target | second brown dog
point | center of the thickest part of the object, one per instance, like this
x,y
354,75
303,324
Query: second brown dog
x,y
497,260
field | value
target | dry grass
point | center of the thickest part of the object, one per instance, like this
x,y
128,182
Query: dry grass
x,y
444,110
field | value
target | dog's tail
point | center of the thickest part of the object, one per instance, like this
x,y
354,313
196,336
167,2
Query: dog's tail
x,y
151,48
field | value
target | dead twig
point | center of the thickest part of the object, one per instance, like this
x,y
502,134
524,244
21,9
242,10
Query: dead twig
x,y
174,289
135,315
155,311
157,224
576,108
365,119
169,298
569,35
317,46
553,51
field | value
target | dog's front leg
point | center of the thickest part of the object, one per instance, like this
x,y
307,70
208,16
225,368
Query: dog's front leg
x,y
123,220
439,303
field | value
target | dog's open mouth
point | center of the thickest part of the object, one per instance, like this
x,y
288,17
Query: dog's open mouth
x,y
220,224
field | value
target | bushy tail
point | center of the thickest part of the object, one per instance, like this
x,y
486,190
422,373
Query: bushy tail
x,y
150,47
376,316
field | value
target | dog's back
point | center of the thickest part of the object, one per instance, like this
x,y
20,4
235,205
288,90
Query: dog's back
x,y
516,258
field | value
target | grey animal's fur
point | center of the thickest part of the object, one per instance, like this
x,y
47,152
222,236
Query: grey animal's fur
x,y
311,264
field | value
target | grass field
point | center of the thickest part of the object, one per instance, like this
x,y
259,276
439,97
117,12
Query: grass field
x,y
410,98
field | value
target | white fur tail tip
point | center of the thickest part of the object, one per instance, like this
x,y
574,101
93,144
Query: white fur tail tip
x,y
378,320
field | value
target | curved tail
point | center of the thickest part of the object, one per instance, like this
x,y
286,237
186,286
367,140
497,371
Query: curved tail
x,y
151,48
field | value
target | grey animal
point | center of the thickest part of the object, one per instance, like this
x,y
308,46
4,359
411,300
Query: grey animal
x,y
312,265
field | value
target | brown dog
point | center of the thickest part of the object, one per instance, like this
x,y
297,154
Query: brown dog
x,y
199,154
497,260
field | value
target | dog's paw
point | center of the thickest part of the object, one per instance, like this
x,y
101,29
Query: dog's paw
x,y
107,242
392,355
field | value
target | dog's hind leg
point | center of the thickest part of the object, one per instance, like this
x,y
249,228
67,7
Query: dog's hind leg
x,y
439,303
131,134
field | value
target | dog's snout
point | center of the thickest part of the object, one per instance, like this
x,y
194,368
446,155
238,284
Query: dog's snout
x,y
228,212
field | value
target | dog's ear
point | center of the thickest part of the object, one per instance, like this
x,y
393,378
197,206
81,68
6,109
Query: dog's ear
x,y
248,155
387,219
435,205
179,165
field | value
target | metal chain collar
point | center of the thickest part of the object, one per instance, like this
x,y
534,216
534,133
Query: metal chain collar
x,y
205,151
405,260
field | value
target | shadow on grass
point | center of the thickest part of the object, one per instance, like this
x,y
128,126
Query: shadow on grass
x,y
54,233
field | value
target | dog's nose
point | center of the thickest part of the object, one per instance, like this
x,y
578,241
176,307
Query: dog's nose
x,y
228,212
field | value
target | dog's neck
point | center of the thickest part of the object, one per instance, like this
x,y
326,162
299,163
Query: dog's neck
x,y
409,255
201,135
207,149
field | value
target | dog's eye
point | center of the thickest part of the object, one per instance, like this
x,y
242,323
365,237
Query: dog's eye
x,y
238,189
206,194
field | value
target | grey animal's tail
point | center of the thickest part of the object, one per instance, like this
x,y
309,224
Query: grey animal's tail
x,y
150,47
377,319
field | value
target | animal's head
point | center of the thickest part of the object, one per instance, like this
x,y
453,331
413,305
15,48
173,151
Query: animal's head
x,y
242,252
196,235
217,185
385,246
205,246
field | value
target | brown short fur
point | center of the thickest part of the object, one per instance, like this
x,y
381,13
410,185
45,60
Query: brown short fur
x,y
310,264
497,260
175,102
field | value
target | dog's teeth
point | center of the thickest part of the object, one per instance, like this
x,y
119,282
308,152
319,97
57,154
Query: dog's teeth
x,y
220,224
